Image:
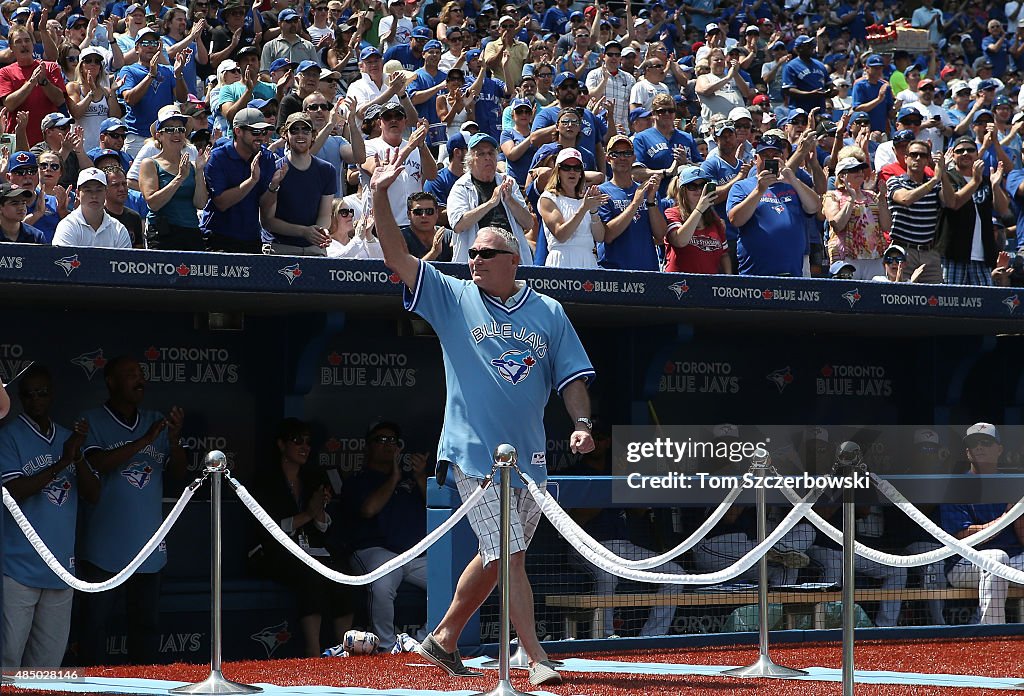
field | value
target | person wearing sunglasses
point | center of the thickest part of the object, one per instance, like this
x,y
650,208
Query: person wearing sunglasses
x,y
62,136
983,448
568,207
238,175
695,241
611,82
43,470
56,199
424,237
663,148
172,188
857,217
529,349
91,99
970,241
146,85
298,217
351,236
297,494
290,45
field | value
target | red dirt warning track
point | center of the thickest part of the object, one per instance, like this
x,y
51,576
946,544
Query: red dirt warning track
x,y
986,657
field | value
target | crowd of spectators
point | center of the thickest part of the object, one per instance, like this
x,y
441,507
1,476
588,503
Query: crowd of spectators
x,y
762,138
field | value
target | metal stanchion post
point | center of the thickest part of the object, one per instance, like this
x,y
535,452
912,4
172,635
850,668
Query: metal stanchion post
x,y
505,460
848,462
216,466
764,667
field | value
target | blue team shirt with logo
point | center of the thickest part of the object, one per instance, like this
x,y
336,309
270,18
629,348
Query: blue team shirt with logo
x,y
654,150
428,109
592,129
53,511
130,506
633,249
773,241
501,363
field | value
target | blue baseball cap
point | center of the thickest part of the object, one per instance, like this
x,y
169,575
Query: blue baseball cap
x,y
472,54
457,142
309,65
691,174
803,39
770,141
906,112
903,136
983,112
74,19
101,152
987,84
259,103
432,44
367,52
287,15
563,76
1002,100
838,266
421,33
478,138
55,120
859,116
519,101
543,152
639,113
874,61
282,64
575,15
109,124
21,159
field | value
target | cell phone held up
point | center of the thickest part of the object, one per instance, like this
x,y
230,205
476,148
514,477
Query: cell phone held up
x,y
772,166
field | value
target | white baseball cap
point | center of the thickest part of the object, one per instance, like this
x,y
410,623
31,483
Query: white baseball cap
x,y
740,112
982,429
92,174
568,154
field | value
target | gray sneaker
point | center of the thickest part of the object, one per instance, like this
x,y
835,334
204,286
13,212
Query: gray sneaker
x,y
451,662
542,673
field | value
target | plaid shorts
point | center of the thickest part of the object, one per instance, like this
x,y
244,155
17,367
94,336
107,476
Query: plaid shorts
x,y
485,517
969,273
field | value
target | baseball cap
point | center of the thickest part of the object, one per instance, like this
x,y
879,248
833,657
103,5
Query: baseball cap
x,y
983,112
758,101
926,436
612,44
247,51
297,117
282,64
92,174
309,65
859,116
421,33
980,431
21,159
111,124
895,249
259,103
850,164
957,86
8,191
770,141
947,71
367,52
144,32
507,18
133,8
372,111
987,84
874,61
777,45
1002,100
392,106
907,112
226,65
691,174
472,54
710,27
328,74
839,266
457,142
739,112
982,62
519,101
802,39
55,120
628,51
169,113
562,77
563,156
74,19
432,44
478,138
574,15
93,51
250,118
925,83
752,29
100,152
903,136
639,113
287,15
620,138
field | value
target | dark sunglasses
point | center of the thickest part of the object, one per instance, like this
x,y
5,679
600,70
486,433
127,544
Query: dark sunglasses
x,y
420,212
149,44
115,134
569,122
300,130
51,167
26,171
523,110
966,151
259,132
174,129
92,61
393,116
621,154
663,110
694,187
487,253
346,212
571,167
385,439
318,107
895,259
35,393
614,55
915,155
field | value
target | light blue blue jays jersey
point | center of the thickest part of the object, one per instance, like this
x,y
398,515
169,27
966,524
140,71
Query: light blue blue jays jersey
x,y
130,505
501,363
53,511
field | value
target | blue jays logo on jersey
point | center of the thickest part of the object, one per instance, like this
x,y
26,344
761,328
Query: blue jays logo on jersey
x,y
781,378
139,475
514,365
92,362
1012,303
852,296
68,263
57,492
290,272
679,289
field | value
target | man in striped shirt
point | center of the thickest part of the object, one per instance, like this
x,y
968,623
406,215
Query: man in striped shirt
x,y
915,201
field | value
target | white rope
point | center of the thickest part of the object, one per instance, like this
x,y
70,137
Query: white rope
x,y
333,575
547,505
655,561
81,585
920,559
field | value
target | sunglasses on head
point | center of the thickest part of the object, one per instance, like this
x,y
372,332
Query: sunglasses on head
x,y
487,253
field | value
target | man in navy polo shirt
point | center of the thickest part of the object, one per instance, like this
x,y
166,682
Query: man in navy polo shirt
x,y
769,211
805,79
592,129
873,95
238,175
146,86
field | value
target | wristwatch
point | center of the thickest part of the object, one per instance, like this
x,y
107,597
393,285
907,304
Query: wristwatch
x,y
589,424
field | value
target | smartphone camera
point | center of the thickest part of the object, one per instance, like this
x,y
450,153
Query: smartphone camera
x,y
772,166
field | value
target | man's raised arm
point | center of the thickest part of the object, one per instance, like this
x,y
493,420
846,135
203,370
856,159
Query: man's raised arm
x,y
396,253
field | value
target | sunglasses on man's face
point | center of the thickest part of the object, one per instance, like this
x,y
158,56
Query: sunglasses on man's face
x,y
621,154
487,253
260,132
420,212
318,107
966,151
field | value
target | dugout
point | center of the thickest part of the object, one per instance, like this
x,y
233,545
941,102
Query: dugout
x,y
239,342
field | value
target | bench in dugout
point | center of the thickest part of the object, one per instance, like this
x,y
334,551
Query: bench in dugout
x,y
795,604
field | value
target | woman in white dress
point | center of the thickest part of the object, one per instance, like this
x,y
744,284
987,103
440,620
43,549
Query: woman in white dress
x,y
569,210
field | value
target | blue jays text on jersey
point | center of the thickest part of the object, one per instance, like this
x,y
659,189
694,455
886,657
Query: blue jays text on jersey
x,y
508,331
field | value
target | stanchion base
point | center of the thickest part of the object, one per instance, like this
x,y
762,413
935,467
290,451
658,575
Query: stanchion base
x,y
518,661
764,667
504,688
4,679
216,684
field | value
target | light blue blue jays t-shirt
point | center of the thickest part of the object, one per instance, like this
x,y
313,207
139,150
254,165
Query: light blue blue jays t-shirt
x,y
501,362
130,506
53,511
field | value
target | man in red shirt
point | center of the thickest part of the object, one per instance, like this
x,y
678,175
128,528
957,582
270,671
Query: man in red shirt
x,y
29,85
